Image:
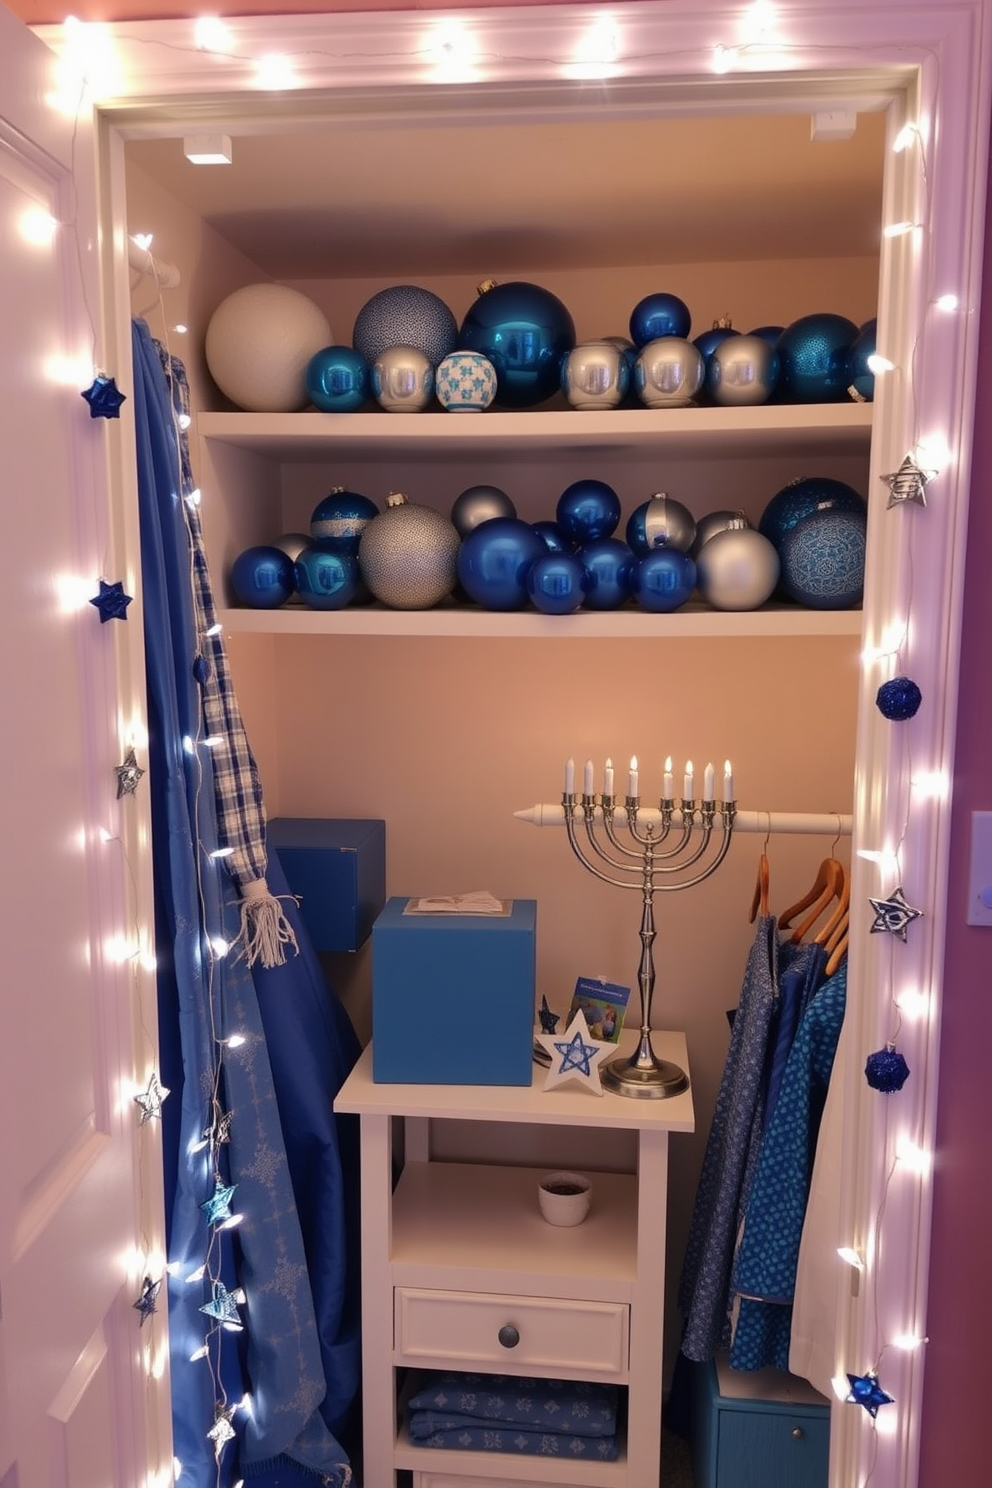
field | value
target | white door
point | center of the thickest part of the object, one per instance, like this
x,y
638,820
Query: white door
x,y
83,1375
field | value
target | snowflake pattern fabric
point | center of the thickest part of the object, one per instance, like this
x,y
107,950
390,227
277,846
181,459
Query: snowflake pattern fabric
x,y
502,1413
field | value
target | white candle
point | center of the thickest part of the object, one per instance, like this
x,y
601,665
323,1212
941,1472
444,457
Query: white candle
x,y
632,777
709,781
587,785
687,783
608,778
569,777
668,784
728,781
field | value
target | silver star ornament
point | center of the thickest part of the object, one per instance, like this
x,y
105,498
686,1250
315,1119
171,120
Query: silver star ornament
x,y
892,915
908,484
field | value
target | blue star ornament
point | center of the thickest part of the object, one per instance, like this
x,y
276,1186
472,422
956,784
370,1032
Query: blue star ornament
x,y
892,915
223,1306
104,397
549,1020
218,1207
866,1391
111,601
575,1055
146,1302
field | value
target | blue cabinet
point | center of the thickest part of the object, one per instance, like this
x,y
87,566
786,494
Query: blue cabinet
x,y
751,1430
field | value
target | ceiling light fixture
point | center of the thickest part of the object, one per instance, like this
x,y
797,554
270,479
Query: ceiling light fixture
x,y
208,149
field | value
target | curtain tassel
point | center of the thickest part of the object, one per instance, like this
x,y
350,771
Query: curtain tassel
x,y
265,929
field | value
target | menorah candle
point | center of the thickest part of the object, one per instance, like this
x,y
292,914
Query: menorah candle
x,y
687,782
587,784
569,777
728,781
668,784
608,778
632,776
709,781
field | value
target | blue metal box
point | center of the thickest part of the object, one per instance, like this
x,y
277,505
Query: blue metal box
x,y
337,869
453,996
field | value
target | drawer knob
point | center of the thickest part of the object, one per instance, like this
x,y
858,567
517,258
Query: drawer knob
x,y
508,1336
797,1433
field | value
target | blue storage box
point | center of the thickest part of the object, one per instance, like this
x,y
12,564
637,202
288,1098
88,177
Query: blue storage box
x,y
337,870
453,996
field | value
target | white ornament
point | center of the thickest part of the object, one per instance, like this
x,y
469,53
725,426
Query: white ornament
x,y
259,343
575,1055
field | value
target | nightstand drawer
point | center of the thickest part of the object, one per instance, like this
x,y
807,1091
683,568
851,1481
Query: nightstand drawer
x,y
517,1335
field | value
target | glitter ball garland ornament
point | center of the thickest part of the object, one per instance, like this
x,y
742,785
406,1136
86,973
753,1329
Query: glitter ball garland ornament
x,y
494,561
587,510
658,521
898,699
405,315
886,1070
525,331
340,518
866,1391
259,343
812,354
408,555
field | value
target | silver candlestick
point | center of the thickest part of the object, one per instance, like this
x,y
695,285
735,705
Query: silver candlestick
x,y
673,849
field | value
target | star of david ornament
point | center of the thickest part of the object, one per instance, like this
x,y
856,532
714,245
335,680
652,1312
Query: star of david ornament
x,y
219,1130
218,1207
223,1305
549,1020
128,775
150,1100
111,601
893,914
908,484
575,1055
866,1391
104,397
221,1432
146,1302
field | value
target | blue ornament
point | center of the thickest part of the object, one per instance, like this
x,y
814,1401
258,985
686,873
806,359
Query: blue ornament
x,y
218,1207
659,315
525,331
549,1020
337,380
556,583
769,333
708,341
886,1070
111,601
145,1304
587,510
898,699
663,580
860,377
823,560
812,354
553,537
328,578
608,563
104,397
339,520
658,522
866,1391
494,560
262,577
802,497
405,316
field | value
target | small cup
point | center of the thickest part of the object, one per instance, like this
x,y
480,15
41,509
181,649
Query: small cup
x,y
564,1197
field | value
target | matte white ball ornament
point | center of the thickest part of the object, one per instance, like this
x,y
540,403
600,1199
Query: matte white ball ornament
x,y
259,343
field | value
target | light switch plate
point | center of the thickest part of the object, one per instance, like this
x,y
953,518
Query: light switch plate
x,y
980,875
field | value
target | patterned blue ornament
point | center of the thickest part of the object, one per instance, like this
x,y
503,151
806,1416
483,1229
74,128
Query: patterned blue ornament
x,y
588,510
660,521
866,1391
405,315
553,537
222,1307
802,497
812,354
608,563
104,397
339,520
663,580
494,561
898,699
328,578
337,380
262,577
218,1207
659,315
525,331
860,377
556,583
111,601
823,560
886,1070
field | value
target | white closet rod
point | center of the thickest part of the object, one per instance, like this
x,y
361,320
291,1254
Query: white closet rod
x,y
166,275
808,823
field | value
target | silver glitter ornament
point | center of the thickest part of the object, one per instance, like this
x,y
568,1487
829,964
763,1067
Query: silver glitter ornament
x,y
408,555
737,569
478,504
668,373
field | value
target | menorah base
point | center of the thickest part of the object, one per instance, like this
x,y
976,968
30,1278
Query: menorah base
x,y
651,1079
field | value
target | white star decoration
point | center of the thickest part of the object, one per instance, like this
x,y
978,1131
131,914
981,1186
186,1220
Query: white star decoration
x,y
221,1432
575,1055
150,1099
908,484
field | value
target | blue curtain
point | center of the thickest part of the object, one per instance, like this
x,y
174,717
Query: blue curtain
x,y
256,1119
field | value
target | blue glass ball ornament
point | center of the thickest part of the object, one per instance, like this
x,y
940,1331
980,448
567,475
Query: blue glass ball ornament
x,y
708,341
262,577
588,509
339,520
494,561
886,1070
556,584
663,580
328,578
525,331
608,563
478,504
802,497
860,377
660,521
812,354
553,537
337,380
898,699
405,315
823,560
658,315
769,333
741,372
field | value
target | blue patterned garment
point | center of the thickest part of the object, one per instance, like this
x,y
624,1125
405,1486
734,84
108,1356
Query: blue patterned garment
x,y
764,1276
516,1414
731,1155
800,972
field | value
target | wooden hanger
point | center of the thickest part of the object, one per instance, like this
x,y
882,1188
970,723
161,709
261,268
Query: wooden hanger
x,y
759,904
838,921
827,886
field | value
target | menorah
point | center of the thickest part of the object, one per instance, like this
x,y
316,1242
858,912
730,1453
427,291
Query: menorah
x,y
669,848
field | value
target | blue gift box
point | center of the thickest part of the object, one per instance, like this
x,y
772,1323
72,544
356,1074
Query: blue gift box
x,y
453,996
337,869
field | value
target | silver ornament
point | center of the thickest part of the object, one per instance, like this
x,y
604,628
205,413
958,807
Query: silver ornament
x,y
595,374
661,521
740,371
668,373
408,555
737,569
402,380
478,504
713,522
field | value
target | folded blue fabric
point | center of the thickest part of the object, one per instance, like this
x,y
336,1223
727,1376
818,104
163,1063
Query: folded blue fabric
x,y
488,1436
561,1407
